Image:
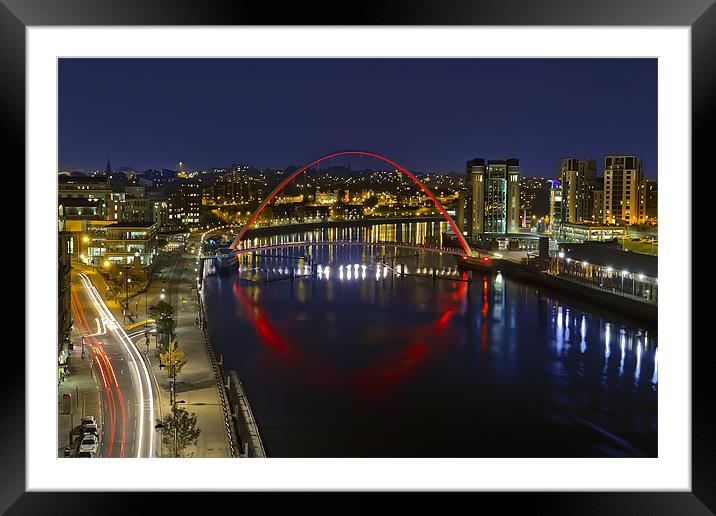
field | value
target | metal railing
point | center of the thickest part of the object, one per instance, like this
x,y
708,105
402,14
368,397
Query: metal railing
x,y
231,438
599,288
245,420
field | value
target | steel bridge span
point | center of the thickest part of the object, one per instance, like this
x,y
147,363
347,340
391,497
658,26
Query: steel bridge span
x,y
396,167
399,245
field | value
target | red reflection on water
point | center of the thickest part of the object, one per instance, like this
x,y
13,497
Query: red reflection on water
x,y
257,316
369,380
444,319
485,306
378,377
460,290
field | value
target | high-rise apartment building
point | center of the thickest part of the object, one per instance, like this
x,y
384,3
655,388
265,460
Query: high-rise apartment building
x,y
191,197
494,196
184,204
578,178
460,212
623,176
555,207
648,205
597,209
475,198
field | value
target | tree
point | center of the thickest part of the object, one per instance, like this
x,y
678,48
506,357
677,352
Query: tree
x,y
163,314
174,359
179,431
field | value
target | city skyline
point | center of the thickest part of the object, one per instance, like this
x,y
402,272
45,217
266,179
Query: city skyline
x,y
208,117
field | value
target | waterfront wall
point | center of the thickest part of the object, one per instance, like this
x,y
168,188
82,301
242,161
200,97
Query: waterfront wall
x,y
231,432
246,423
635,309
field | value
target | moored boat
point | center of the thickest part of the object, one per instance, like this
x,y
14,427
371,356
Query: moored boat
x,y
226,260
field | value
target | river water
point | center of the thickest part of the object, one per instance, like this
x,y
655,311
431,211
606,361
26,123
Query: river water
x,y
359,361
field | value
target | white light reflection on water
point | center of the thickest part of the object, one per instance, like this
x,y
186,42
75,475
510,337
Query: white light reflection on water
x,y
583,333
637,371
560,335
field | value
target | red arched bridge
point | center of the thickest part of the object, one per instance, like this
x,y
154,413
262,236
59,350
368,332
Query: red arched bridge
x,y
282,185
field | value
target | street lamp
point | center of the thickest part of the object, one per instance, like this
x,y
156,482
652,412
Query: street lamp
x,y
159,427
126,293
624,273
176,444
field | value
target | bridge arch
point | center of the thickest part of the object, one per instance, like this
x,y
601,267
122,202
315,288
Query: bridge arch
x,y
290,178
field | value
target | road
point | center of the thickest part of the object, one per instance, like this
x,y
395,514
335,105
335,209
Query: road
x,y
125,380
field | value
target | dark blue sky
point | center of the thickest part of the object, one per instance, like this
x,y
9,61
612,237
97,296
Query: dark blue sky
x,y
426,114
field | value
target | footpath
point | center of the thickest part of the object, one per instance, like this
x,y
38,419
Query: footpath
x,y
78,395
172,281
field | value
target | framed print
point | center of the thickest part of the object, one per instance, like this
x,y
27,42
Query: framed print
x,y
423,252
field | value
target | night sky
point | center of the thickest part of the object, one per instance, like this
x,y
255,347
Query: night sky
x,y
426,114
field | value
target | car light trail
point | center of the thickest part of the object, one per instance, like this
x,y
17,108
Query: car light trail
x,y
141,373
97,351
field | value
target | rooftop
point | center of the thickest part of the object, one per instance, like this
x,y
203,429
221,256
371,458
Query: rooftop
x,y
78,202
598,253
132,225
64,179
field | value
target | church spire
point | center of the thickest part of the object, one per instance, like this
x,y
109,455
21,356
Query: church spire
x,y
109,167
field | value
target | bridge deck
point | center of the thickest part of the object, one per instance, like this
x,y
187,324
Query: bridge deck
x,y
399,245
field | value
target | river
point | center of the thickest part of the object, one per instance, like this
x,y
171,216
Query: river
x,y
359,361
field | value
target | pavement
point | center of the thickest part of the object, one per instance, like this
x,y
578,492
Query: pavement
x,y
84,398
173,278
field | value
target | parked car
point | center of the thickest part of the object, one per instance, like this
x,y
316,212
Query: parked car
x,y
91,430
88,420
89,443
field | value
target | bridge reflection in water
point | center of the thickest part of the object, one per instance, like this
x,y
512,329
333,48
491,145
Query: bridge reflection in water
x,y
376,365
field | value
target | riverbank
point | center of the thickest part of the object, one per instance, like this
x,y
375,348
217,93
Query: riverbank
x,y
241,425
196,385
647,313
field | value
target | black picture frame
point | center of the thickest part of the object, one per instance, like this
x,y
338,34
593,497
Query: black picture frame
x,y
700,15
